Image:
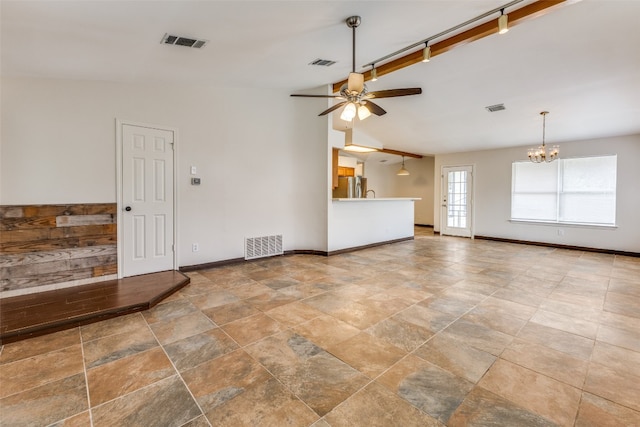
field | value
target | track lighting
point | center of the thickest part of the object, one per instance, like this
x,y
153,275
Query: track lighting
x,y
349,112
374,74
503,22
426,53
402,171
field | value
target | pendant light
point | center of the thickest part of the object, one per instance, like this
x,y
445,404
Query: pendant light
x,y
403,171
540,154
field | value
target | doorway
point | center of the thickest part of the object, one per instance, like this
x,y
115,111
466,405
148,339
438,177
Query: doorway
x,y
146,208
457,201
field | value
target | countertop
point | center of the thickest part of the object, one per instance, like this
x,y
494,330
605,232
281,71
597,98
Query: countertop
x,y
379,199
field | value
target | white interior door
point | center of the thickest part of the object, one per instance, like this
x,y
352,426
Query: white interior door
x,y
457,198
147,201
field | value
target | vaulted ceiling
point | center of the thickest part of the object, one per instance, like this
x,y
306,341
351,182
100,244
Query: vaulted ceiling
x,y
581,61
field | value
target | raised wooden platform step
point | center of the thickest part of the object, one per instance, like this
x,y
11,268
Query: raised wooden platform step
x,y
37,314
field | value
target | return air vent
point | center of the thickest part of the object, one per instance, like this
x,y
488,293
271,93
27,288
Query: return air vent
x,y
260,247
322,62
494,108
183,41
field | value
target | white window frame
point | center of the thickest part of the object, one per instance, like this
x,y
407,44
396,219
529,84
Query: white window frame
x,y
558,194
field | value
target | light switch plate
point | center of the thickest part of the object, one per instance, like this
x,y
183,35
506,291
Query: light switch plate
x,y
194,170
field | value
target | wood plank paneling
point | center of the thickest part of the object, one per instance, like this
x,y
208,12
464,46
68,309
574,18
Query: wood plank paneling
x,y
48,244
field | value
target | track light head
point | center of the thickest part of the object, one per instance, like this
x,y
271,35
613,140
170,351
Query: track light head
x,y
503,23
374,74
426,53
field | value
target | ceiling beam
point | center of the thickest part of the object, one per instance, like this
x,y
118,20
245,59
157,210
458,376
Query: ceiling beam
x,y
517,16
399,153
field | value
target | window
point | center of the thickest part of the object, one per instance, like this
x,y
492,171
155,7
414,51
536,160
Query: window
x,y
577,191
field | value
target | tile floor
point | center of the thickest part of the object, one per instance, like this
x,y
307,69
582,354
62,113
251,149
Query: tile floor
x,y
431,332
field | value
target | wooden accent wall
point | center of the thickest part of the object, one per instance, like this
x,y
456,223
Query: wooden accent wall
x,y
49,244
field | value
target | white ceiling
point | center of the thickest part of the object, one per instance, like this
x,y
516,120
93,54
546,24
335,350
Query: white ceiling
x,y
581,62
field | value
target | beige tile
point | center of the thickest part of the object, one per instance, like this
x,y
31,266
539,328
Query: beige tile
x,y
128,374
294,313
626,287
113,347
270,300
546,361
535,392
166,402
621,337
24,374
483,408
617,358
426,386
569,324
79,420
169,310
597,412
266,403
425,317
47,403
318,378
182,327
327,302
214,382
359,315
196,349
39,345
500,322
404,335
621,388
229,312
623,303
213,299
573,345
326,330
456,357
252,328
118,325
375,406
478,336
366,353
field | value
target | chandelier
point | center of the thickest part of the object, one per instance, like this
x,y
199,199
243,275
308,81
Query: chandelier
x,y
540,154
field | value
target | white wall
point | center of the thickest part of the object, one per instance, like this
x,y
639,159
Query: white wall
x,y
261,156
383,180
493,195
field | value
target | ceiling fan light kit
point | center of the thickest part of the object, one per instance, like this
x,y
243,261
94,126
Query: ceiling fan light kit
x,y
354,96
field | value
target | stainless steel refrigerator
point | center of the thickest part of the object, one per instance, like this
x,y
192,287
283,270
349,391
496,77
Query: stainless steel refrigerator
x,y
350,187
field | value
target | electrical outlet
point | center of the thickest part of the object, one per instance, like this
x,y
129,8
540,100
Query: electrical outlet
x,y
195,247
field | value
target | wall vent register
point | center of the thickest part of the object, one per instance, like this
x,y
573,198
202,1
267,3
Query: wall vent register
x,y
260,247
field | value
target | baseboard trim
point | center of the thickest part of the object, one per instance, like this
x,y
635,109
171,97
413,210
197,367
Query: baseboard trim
x,y
559,246
424,225
216,264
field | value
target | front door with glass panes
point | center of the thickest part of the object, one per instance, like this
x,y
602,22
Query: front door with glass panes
x,y
457,198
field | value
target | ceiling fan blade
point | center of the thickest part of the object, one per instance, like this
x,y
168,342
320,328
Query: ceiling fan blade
x,y
355,82
335,107
375,108
390,93
317,96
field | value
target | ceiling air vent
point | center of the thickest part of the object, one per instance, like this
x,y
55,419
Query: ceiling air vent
x,y
322,62
183,41
494,108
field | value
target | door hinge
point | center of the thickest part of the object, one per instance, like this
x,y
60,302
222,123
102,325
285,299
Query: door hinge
x,y
172,248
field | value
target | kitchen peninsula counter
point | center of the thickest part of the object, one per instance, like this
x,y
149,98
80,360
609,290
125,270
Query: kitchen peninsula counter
x,y
358,222
379,199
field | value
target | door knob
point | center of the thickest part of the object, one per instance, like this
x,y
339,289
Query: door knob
x,y
128,209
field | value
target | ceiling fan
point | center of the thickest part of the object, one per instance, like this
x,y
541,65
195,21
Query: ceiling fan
x,y
356,98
